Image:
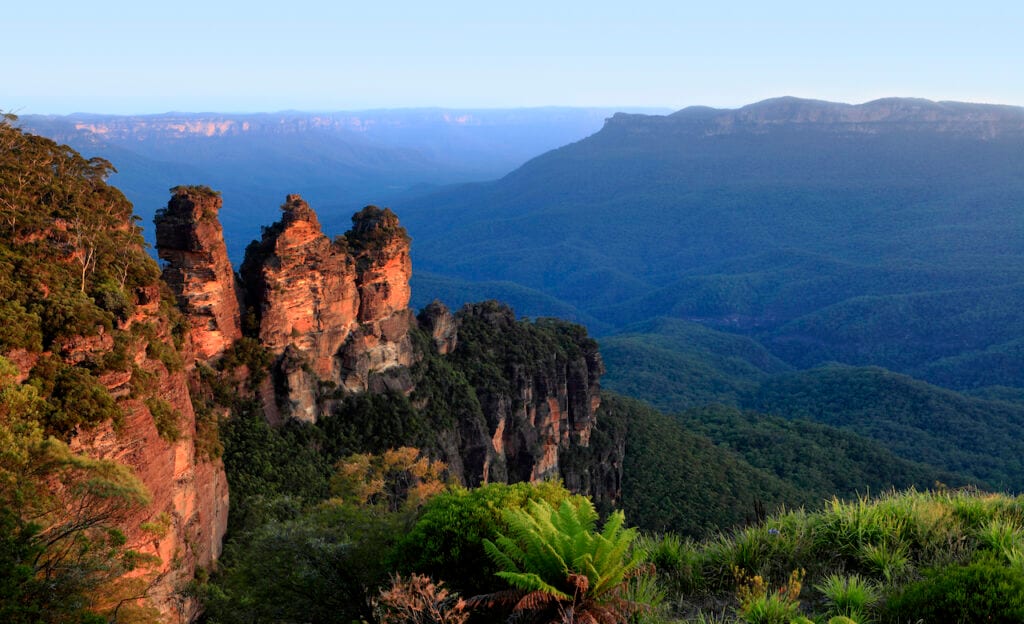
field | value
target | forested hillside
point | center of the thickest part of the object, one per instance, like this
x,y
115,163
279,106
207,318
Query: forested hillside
x,y
881,234
680,366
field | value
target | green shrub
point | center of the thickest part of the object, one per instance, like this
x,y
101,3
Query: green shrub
x,y
448,538
849,596
166,354
111,297
19,328
69,314
247,352
1001,537
678,562
984,591
74,396
760,605
166,418
207,438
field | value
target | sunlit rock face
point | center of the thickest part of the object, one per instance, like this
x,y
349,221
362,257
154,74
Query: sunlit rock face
x,y
332,311
190,240
189,490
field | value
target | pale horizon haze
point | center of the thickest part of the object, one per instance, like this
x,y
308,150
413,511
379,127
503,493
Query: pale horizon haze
x,y
134,58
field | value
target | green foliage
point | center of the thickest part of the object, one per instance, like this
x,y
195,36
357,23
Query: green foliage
x,y
263,463
194,189
60,547
72,253
293,569
72,259
207,437
449,534
983,591
758,604
560,563
249,353
76,397
864,561
674,479
19,328
372,423
301,561
677,561
917,421
849,596
164,353
166,418
374,226
676,364
495,351
820,460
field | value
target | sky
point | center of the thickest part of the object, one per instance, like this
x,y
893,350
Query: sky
x,y
121,57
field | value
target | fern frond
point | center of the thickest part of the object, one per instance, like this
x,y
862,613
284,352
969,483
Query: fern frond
x,y
504,561
528,581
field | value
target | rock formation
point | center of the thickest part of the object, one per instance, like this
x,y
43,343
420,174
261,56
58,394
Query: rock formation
x,y
333,312
437,320
189,238
550,391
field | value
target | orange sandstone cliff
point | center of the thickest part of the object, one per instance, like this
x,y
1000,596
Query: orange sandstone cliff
x,y
331,311
188,487
190,240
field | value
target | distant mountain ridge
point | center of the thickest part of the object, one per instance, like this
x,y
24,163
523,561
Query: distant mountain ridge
x,y
886,114
335,156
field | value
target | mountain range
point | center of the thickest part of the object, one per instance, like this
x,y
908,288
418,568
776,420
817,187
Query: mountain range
x,y
338,159
887,233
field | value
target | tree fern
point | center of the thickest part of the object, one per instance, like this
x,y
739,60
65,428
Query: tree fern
x,y
564,570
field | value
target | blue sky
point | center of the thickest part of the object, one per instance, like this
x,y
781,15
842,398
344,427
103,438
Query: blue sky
x,y
140,56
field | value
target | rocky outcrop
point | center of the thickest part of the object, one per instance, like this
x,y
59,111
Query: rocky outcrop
x,y
546,393
334,312
189,238
439,323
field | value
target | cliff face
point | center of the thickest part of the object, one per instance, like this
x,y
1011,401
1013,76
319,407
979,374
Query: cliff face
x,y
190,239
538,385
189,490
105,360
332,312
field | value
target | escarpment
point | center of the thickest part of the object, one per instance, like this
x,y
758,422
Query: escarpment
x,y
117,381
499,399
106,482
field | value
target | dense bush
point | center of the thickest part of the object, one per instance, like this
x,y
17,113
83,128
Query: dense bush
x,y
983,591
448,537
